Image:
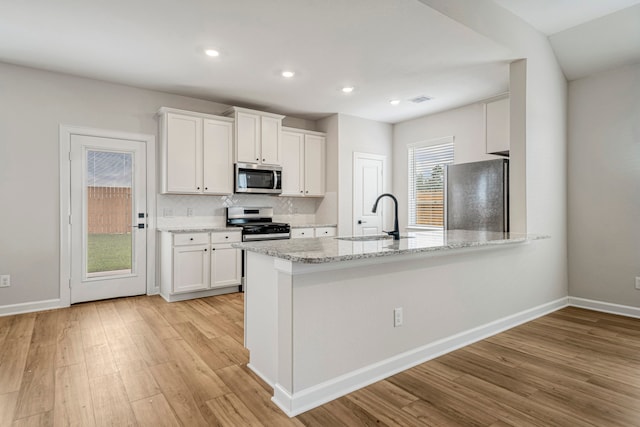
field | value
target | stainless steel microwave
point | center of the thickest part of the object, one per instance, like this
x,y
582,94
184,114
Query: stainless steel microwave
x,y
263,179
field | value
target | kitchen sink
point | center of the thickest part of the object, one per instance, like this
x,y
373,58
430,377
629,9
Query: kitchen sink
x,y
370,238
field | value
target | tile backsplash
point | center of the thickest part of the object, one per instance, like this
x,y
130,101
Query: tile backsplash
x,y
210,210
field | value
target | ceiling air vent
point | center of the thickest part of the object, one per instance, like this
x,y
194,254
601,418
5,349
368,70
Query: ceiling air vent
x,y
419,99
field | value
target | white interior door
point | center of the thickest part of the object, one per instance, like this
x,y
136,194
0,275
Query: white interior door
x,y
108,218
368,184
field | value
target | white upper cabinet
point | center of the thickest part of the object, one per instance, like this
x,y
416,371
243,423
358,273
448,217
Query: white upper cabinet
x,y
303,163
314,165
292,163
195,153
497,126
257,136
217,142
183,147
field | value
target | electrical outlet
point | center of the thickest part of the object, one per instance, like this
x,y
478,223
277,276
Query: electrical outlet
x,y
189,211
397,317
638,283
5,281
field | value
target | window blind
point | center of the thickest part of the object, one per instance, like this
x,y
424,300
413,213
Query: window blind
x,y
427,162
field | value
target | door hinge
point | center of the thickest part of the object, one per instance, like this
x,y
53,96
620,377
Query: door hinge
x,y
69,283
69,155
69,219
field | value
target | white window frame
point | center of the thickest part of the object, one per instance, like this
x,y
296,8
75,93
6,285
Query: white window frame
x,y
411,197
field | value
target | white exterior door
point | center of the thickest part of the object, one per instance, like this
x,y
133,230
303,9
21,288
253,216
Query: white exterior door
x,y
368,184
108,218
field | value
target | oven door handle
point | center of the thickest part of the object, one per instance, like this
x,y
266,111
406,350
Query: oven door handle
x,y
275,180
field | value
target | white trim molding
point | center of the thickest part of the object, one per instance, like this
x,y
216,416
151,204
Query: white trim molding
x,y
304,400
605,307
29,307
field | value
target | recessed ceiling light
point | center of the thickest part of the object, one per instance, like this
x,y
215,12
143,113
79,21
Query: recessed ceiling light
x,y
288,74
394,102
212,52
347,89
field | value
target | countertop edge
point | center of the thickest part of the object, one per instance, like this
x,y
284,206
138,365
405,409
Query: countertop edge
x,y
426,250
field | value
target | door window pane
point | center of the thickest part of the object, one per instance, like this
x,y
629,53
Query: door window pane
x,y
109,213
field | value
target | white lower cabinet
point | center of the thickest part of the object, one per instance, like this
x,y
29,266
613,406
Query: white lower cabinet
x,y
226,262
325,231
190,268
300,233
194,265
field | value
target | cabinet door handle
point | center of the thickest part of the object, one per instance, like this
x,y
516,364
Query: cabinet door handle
x,y
264,160
226,237
206,188
307,191
198,188
191,238
205,250
257,160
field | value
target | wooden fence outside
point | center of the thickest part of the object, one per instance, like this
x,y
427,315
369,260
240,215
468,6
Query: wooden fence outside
x,y
430,208
109,210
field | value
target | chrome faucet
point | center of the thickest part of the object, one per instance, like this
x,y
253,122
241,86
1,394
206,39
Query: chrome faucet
x,y
396,231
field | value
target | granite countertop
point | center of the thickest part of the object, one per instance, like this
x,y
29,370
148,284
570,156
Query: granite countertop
x,y
312,225
334,249
197,229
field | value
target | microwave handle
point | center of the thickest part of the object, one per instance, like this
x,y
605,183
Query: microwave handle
x,y
275,180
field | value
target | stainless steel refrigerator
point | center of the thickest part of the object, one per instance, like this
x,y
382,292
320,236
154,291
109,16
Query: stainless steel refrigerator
x,y
477,196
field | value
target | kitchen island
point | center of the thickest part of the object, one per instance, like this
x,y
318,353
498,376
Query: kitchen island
x,y
326,316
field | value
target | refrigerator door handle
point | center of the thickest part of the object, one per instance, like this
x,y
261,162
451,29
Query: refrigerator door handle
x,y
505,182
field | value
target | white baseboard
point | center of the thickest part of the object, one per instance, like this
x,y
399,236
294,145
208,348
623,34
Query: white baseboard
x,y
304,400
606,307
29,307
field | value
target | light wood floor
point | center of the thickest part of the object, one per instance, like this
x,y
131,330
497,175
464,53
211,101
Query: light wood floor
x,y
141,361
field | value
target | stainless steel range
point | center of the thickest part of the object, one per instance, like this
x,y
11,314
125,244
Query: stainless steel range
x,y
257,224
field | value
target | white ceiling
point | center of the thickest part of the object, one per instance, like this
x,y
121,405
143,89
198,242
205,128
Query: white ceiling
x,y
587,36
397,49
386,49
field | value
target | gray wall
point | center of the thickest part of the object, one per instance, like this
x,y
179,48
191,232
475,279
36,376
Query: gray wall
x,y
34,104
539,273
604,186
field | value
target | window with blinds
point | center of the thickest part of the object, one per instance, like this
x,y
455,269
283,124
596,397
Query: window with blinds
x,y
427,162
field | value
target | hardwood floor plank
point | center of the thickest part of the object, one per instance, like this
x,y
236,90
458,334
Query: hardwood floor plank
x,y
37,389
255,397
126,308
382,408
99,361
14,352
206,349
178,394
8,403
160,327
45,328
138,381
350,414
203,381
154,411
231,412
151,349
43,419
110,404
143,361
73,404
69,348
446,396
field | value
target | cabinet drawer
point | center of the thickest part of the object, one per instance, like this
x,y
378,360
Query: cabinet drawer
x,y
297,233
325,231
190,239
226,237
